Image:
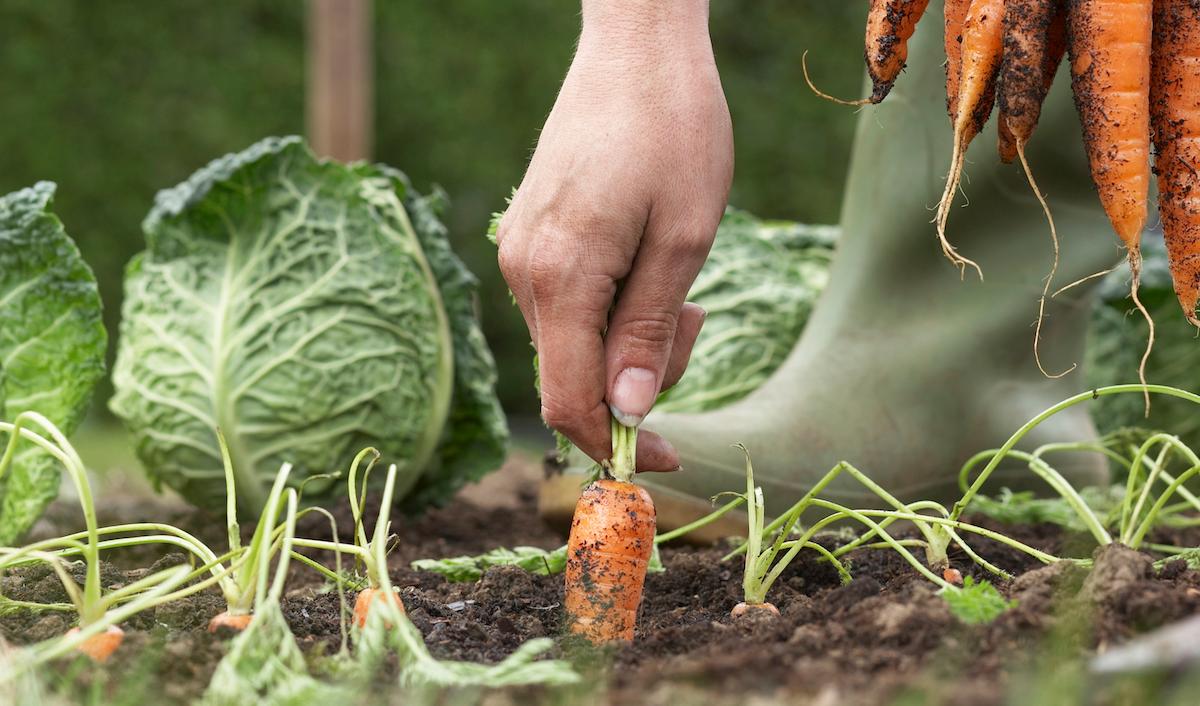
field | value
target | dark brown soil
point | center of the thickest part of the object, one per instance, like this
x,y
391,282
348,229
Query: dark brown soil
x,y
884,635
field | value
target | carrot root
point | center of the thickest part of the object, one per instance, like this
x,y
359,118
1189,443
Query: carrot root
x,y
743,608
1135,266
235,622
368,597
822,94
101,646
612,536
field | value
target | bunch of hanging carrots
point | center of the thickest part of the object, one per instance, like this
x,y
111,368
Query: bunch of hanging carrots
x,y
1135,73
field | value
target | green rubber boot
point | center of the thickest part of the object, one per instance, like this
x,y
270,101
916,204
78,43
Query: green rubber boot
x,y
906,369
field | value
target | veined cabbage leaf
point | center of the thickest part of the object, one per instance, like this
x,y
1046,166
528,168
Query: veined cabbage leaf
x,y
52,344
308,309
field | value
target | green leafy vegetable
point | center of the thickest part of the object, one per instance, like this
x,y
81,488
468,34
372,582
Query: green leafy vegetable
x,y
758,286
308,309
52,343
977,603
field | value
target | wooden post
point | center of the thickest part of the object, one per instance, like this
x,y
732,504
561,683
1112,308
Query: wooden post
x,y
340,79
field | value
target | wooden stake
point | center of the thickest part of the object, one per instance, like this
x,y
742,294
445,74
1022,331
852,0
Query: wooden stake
x,y
340,79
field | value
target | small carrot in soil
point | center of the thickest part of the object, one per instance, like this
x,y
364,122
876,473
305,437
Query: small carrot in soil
x,y
226,620
1035,40
890,24
1175,118
102,645
368,597
612,536
953,576
980,61
743,608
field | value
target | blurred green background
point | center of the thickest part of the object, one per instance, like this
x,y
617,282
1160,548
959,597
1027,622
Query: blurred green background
x,y
117,99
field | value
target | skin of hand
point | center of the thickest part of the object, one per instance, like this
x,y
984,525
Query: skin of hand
x,y
623,193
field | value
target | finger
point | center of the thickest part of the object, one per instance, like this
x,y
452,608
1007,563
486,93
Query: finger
x,y
571,309
513,259
655,454
691,319
642,330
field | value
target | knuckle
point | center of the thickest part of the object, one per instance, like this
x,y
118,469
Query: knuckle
x,y
654,330
547,270
561,417
510,260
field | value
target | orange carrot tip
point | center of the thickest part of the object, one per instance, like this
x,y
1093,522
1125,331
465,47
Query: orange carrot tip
x,y
744,608
953,576
102,645
369,597
236,622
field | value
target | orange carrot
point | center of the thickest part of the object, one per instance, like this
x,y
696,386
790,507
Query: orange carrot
x,y
980,61
1175,117
235,622
1109,43
612,536
955,14
890,24
102,645
1035,39
368,597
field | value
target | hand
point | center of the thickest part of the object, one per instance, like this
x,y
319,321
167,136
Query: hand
x,y
625,191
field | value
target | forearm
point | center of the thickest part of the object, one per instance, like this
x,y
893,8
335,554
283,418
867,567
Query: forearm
x,y
646,29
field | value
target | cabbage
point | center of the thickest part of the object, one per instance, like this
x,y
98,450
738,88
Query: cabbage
x,y
308,309
759,286
52,344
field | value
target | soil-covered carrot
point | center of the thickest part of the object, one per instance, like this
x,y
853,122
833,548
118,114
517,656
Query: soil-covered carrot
x,y
744,608
955,13
368,597
890,24
231,621
982,48
102,645
1109,45
1035,39
611,539
1175,117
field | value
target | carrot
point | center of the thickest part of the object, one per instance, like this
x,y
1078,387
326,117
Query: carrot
x,y
368,597
1109,46
1035,39
1175,118
230,621
980,61
955,13
102,645
1109,43
890,24
612,536
743,608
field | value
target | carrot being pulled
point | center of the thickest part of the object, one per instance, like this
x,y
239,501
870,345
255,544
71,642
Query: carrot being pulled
x,y
981,51
612,537
890,24
1175,117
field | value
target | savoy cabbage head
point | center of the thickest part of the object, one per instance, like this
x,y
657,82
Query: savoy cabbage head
x,y
759,286
52,344
307,309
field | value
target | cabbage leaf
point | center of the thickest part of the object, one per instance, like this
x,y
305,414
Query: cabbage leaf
x,y
308,309
52,344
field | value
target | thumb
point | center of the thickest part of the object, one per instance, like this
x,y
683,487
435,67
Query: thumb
x,y
642,328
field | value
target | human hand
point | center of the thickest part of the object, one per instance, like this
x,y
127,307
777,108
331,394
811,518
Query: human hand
x,y
624,192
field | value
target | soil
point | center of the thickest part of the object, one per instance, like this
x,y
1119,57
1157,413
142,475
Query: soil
x,y
883,638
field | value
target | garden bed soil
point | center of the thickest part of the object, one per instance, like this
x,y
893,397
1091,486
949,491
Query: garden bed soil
x,y
885,636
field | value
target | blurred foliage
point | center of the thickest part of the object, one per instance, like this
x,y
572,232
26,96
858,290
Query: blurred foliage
x,y
117,99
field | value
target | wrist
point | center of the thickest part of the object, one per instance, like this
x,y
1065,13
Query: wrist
x,y
645,27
